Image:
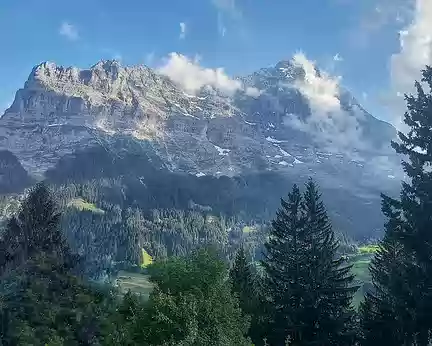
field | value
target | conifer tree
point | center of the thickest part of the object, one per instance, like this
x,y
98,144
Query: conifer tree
x,y
402,270
243,285
330,313
35,231
241,277
385,312
282,262
309,287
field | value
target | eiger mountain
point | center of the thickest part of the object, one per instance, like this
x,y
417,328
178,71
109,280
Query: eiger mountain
x,y
262,142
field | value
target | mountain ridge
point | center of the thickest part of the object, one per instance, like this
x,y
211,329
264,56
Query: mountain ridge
x,y
60,111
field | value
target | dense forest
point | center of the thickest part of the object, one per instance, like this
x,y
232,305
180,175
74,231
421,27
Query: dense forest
x,y
215,279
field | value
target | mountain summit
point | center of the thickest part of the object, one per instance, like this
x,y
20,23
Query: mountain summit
x,y
290,118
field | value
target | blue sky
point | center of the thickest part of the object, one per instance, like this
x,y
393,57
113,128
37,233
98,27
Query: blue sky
x,y
239,35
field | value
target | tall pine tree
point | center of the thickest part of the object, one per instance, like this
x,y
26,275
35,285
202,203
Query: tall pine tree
x,y
309,287
282,262
386,313
329,312
35,231
241,279
245,286
408,287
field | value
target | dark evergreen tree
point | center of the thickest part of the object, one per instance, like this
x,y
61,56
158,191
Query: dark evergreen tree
x,y
243,281
402,270
386,313
35,231
240,276
283,259
310,287
329,314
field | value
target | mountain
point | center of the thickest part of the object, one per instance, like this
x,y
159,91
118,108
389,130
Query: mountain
x,y
64,113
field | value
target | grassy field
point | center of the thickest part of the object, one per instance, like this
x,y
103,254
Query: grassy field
x,y
139,283
368,249
83,205
135,282
360,269
248,229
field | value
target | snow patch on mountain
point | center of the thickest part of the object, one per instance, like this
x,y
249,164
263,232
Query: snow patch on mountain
x,y
273,140
222,151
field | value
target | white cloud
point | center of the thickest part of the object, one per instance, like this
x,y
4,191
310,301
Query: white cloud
x,y
228,11
328,123
414,54
228,7
337,57
189,75
182,31
221,25
321,90
253,92
69,31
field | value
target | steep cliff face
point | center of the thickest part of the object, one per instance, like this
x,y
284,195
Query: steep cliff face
x,y
61,109
280,128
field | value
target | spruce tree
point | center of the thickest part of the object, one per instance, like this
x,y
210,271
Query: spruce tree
x,y
241,277
409,232
386,313
329,311
283,259
309,287
35,231
245,286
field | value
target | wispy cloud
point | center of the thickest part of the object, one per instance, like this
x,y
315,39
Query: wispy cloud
x,y
69,31
227,11
337,57
221,25
373,19
183,29
191,76
415,52
228,7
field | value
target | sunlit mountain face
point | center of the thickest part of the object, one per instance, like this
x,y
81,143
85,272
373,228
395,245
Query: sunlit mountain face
x,y
278,120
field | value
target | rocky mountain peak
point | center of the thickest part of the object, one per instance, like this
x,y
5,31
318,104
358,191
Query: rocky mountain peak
x,y
61,109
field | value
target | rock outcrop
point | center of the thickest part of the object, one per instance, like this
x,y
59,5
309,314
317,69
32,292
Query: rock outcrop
x,y
60,110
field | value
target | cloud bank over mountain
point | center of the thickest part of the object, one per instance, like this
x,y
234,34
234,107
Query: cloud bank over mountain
x,y
192,77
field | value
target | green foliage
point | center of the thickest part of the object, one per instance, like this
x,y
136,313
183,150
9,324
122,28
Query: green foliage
x,y
368,249
191,305
399,309
35,230
43,304
81,204
246,286
310,289
42,301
